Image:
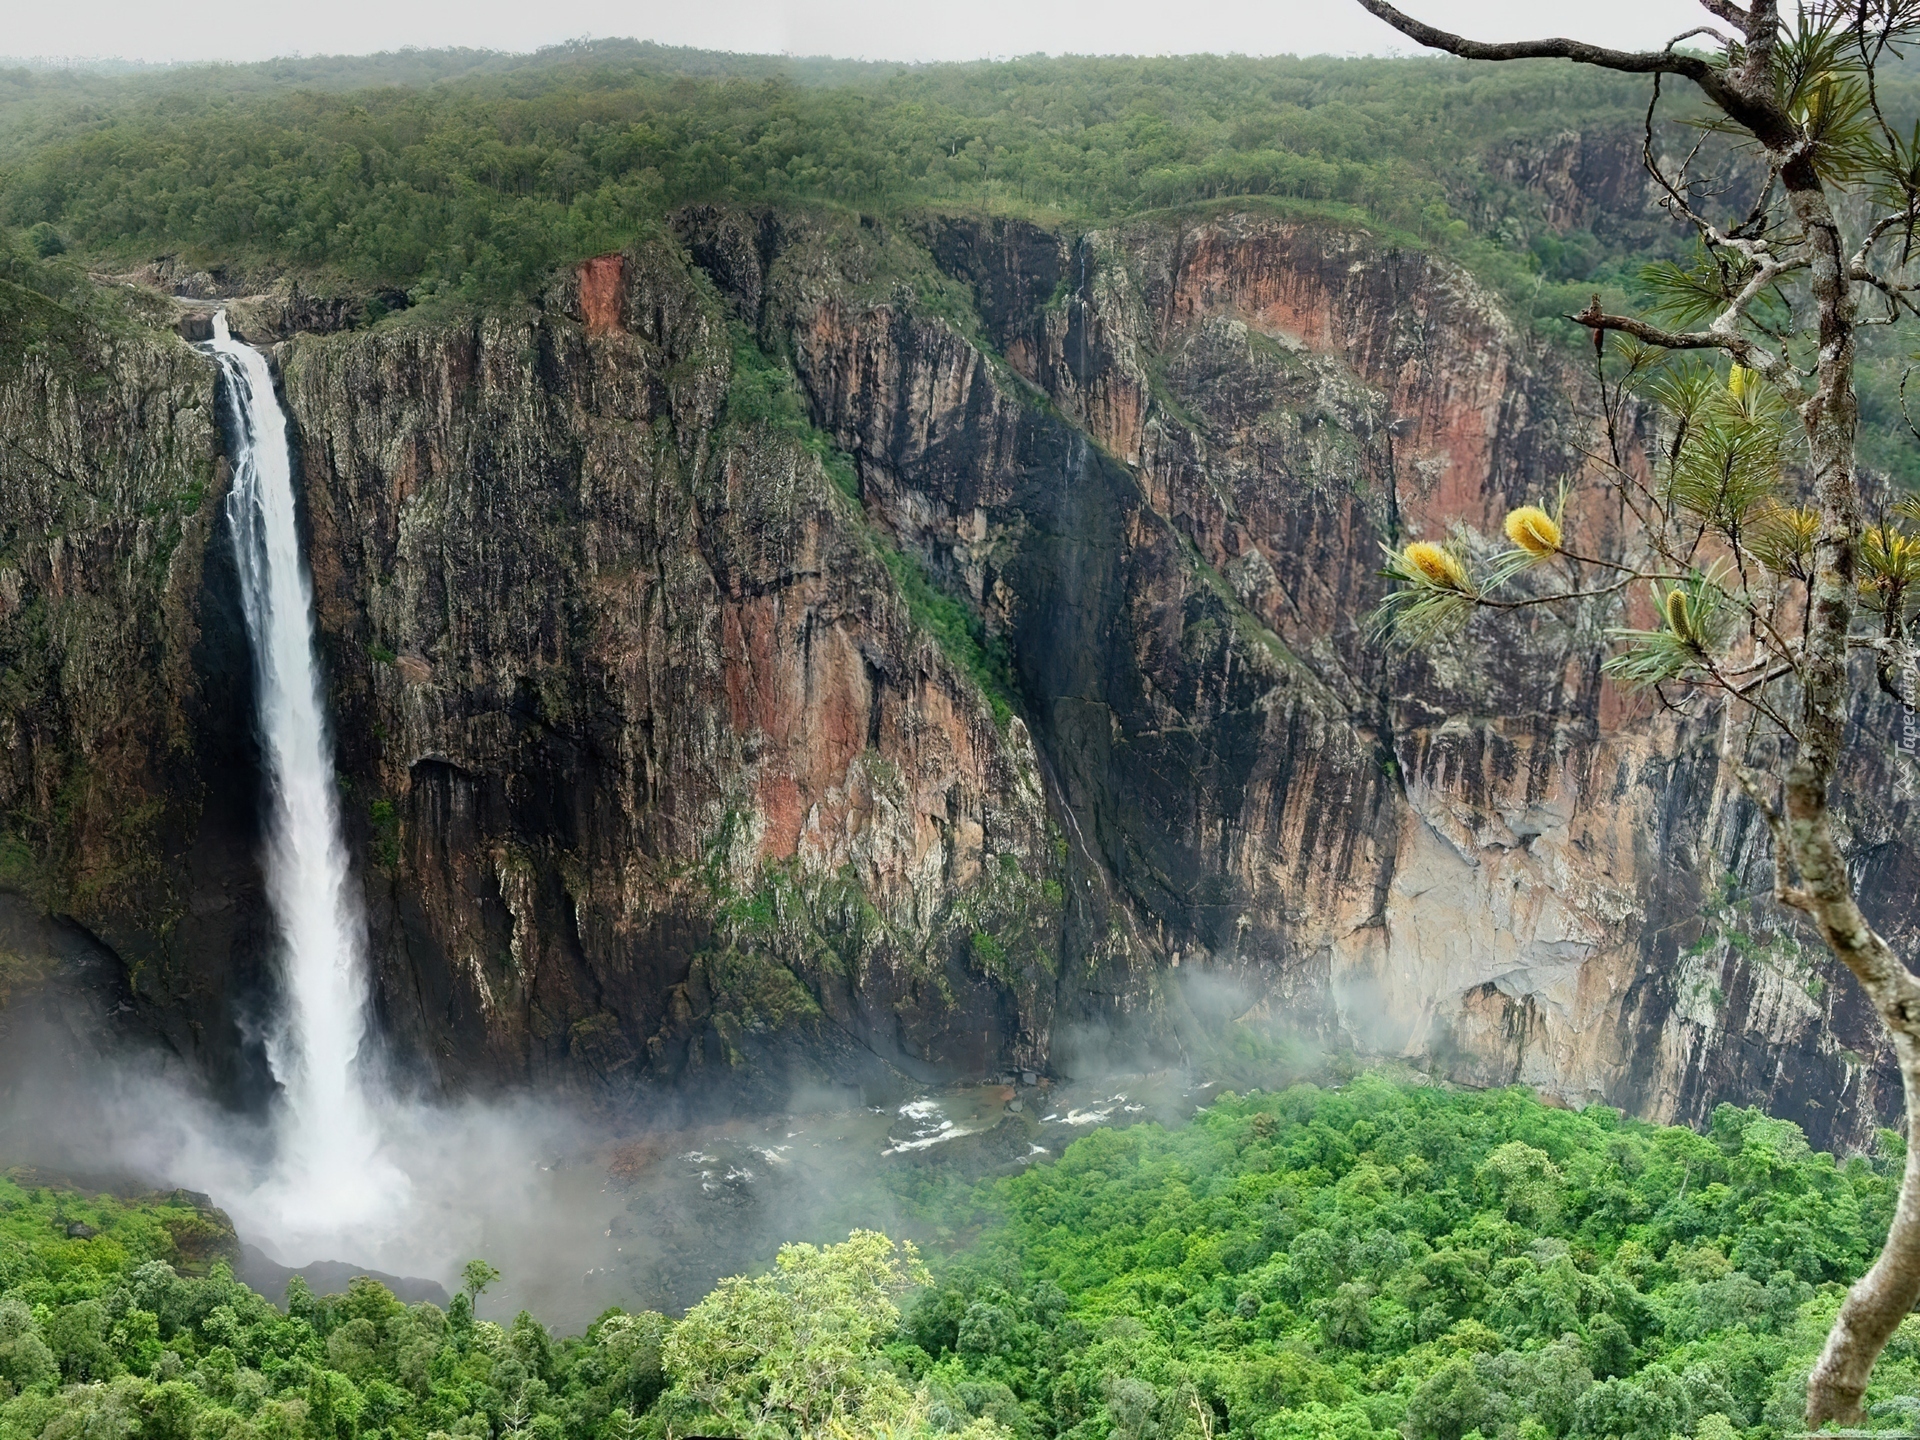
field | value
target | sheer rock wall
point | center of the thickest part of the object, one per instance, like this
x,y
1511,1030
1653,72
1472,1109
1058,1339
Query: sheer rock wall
x,y
661,786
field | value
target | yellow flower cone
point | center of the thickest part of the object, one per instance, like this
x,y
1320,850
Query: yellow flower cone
x,y
1534,531
1679,617
1436,566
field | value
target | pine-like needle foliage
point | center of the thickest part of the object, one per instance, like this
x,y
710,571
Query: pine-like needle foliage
x,y
1729,459
1781,538
1697,620
1889,569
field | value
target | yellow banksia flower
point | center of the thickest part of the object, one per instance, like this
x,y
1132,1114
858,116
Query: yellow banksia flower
x,y
1782,537
1436,566
1534,531
1738,381
1698,620
1817,95
1890,554
1680,616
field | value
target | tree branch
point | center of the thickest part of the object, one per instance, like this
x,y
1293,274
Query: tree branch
x,y
1872,237
1747,352
1729,12
1555,597
1785,892
1632,62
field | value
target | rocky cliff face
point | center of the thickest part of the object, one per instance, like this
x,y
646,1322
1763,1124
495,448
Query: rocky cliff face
x,y
655,772
128,774
807,651
1489,858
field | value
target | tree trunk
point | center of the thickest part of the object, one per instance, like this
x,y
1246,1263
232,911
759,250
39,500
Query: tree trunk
x,y
1887,1292
1748,91
1881,1298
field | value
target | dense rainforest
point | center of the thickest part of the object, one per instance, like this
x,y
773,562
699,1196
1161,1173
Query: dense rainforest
x,y
468,176
1374,1259
484,181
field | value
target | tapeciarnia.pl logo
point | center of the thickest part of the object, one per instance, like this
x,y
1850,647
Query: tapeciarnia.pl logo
x,y
1909,717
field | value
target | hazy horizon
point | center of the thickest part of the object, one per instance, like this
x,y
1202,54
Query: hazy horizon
x,y
225,31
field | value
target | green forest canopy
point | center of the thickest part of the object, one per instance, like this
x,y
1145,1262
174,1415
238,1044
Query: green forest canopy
x,y
1377,1260
486,171
472,174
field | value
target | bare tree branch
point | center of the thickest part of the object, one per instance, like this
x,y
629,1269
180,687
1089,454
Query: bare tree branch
x,y
1747,351
1740,102
1728,12
1633,62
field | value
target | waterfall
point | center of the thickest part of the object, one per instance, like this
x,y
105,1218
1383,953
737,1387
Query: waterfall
x,y
328,1172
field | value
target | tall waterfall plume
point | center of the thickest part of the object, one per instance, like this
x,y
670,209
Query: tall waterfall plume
x,y
329,1175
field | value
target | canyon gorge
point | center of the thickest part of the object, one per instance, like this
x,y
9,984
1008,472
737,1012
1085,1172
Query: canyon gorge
x,y
813,651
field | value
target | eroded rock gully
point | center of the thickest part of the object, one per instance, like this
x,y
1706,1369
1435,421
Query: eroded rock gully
x,y
657,776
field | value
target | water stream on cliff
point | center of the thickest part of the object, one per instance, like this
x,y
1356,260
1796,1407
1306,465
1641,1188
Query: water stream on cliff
x,y
328,1174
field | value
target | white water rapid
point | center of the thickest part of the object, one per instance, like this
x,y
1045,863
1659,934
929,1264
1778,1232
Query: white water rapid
x,y
329,1178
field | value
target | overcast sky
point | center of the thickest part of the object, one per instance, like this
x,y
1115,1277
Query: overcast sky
x,y
871,29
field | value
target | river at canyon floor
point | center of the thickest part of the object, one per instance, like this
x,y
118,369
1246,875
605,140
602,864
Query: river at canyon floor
x,y
652,1220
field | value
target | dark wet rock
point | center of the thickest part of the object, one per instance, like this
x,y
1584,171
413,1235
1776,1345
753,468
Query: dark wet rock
x,y
327,1277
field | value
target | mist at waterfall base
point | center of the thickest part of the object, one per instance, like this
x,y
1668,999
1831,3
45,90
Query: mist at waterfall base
x,y
580,1215
340,1167
508,1180
577,1217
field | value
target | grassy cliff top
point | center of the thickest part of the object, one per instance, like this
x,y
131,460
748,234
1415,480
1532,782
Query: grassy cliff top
x,y
484,171
469,176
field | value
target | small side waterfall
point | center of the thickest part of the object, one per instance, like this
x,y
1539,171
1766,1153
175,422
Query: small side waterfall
x,y
328,1171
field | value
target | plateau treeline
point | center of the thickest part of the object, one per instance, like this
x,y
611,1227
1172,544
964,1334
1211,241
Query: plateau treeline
x,y
480,173
468,177
1371,1261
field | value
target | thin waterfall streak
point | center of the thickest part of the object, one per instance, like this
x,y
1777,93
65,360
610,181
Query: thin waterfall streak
x,y
329,1173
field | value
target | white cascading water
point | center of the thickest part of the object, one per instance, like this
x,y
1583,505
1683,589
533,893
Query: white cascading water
x,y
329,1177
